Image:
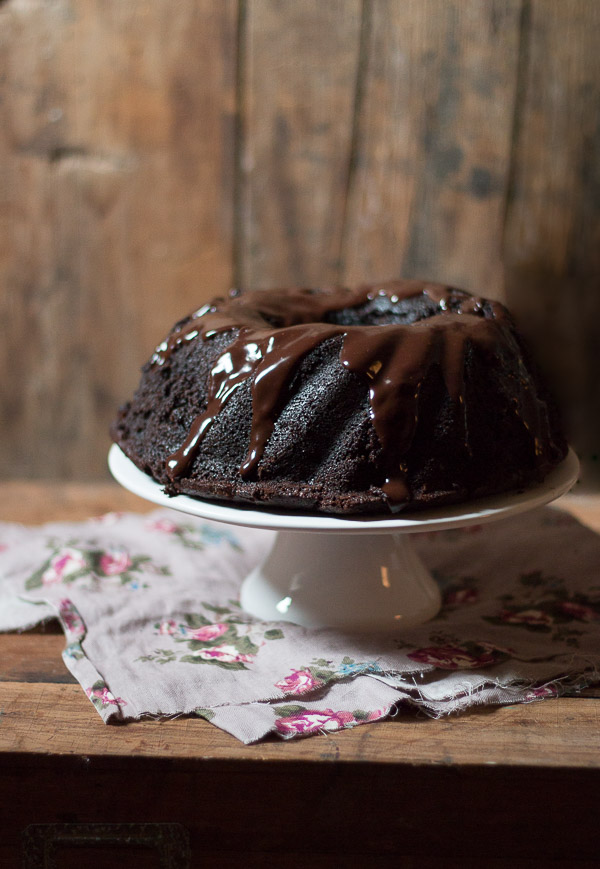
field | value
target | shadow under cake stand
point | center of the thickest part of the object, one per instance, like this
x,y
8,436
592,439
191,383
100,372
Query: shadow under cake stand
x,y
355,574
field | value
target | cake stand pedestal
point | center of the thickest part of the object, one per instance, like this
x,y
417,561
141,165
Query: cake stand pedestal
x,y
355,574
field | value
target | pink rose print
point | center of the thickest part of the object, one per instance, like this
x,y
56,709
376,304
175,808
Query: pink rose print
x,y
376,714
224,654
298,682
206,633
101,696
458,658
71,618
579,611
165,526
458,596
541,693
309,722
231,643
168,627
65,563
534,618
114,562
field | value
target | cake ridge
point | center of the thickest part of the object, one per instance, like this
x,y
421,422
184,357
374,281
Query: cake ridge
x,y
399,338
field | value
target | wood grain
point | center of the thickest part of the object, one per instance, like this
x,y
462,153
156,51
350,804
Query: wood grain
x,y
554,734
152,154
433,143
116,202
343,810
300,69
35,502
33,657
552,232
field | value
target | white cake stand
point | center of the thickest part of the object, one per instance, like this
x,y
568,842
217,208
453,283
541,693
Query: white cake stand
x,y
353,574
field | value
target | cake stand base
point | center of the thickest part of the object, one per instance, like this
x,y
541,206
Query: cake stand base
x,y
355,574
367,582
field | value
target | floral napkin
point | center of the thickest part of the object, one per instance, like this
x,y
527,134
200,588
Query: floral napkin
x,y
149,606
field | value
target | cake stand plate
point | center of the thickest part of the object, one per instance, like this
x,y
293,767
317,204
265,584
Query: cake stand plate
x,y
356,574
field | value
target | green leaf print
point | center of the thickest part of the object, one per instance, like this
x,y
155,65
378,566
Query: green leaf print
x,y
208,714
35,580
245,646
225,665
219,610
196,620
161,656
222,638
288,710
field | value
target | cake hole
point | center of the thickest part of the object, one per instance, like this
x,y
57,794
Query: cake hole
x,y
385,311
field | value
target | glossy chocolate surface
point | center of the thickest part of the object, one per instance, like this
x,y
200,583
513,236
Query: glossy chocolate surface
x,y
272,331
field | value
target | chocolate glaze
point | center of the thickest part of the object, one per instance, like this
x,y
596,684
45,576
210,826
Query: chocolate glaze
x,y
272,331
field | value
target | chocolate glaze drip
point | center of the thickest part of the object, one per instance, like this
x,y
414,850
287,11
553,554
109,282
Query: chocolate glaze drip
x,y
272,331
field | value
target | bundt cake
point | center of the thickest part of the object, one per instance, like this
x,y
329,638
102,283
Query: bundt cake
x,y
403,394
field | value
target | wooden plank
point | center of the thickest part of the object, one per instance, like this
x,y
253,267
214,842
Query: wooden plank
x,y
552,233
433,143
585,508
297,89
117,138
33,657
60,764
58,719
342,810
35,502
358,812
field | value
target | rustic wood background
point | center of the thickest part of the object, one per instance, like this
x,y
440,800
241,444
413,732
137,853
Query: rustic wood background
x,y
154,153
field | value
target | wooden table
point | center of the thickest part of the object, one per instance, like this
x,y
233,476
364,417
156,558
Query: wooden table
x,y
517,786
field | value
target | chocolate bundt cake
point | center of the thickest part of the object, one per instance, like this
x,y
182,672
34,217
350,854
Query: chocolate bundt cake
x,y
403,394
